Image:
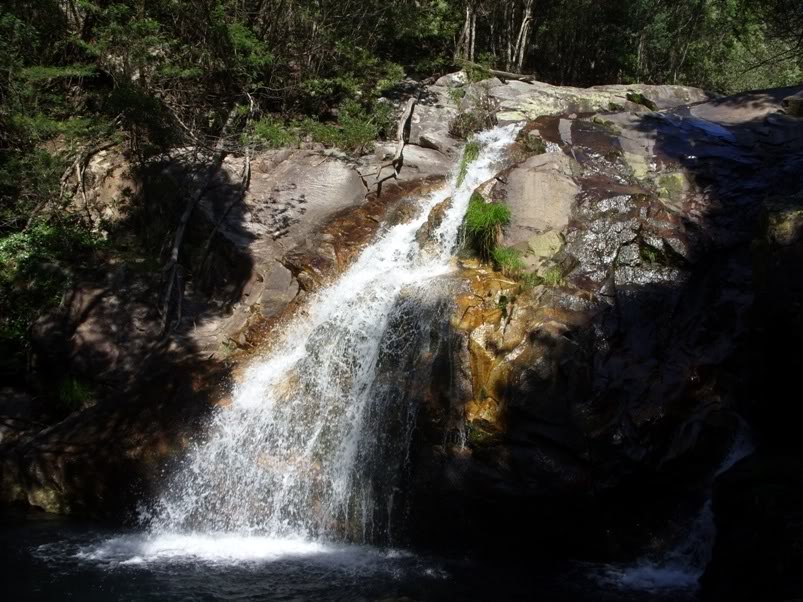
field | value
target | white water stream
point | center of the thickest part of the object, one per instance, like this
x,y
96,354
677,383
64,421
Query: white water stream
x,y
311,449
684,565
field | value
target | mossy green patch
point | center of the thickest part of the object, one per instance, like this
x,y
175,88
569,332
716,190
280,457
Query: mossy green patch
x,y
533,143
553,276
639,99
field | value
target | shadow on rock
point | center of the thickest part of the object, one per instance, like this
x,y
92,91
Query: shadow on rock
x,y
600,403
120,394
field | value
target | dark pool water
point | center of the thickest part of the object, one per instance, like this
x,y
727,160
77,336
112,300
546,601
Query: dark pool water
x,y
50,559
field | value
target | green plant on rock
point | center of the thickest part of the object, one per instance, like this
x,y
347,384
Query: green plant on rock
x,y
355,129
502,304
508,261
456,95
478,436
33,278
553,276
649,254
471,152
483,224
74,393
529,280
479,116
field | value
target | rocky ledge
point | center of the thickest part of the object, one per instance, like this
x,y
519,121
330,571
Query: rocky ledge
x,y
602,393
586,407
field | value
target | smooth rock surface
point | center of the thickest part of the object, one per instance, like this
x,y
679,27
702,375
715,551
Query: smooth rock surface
x,y
540,193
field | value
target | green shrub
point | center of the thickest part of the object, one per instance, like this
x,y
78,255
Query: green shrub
x,y
392,77
27,179
32,278
483,223
358,128
40,127
471,152
150,126
477,72
274,133
355,129
457,94
40,73
74,394
317,131
508,261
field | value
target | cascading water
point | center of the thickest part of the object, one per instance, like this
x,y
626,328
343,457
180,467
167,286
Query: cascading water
x,y
312,445
684,565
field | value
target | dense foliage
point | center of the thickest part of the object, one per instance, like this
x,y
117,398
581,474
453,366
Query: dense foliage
x,y
160,73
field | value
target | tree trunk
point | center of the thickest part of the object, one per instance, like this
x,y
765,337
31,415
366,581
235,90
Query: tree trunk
x,y
473,34
402,135
523,38
171,267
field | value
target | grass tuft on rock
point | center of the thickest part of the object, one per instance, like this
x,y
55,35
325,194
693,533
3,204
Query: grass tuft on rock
x,y
471,153
508,261
553,276
483,224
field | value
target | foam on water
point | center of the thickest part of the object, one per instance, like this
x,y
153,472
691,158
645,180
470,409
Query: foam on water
x,y
145,550
224,548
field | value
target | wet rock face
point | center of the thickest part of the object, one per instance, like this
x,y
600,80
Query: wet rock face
x,y
247,260
604,397
757,504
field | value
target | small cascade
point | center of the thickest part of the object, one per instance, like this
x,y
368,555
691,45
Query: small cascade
x,y
684,564
315,443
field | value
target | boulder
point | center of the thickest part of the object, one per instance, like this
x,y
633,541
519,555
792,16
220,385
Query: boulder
x,y
794,104
425,236
110,187
529,100
541,249
453,80
540,193
432,116
420,164
664,97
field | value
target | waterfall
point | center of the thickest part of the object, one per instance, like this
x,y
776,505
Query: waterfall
x,y
315,439
684,564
